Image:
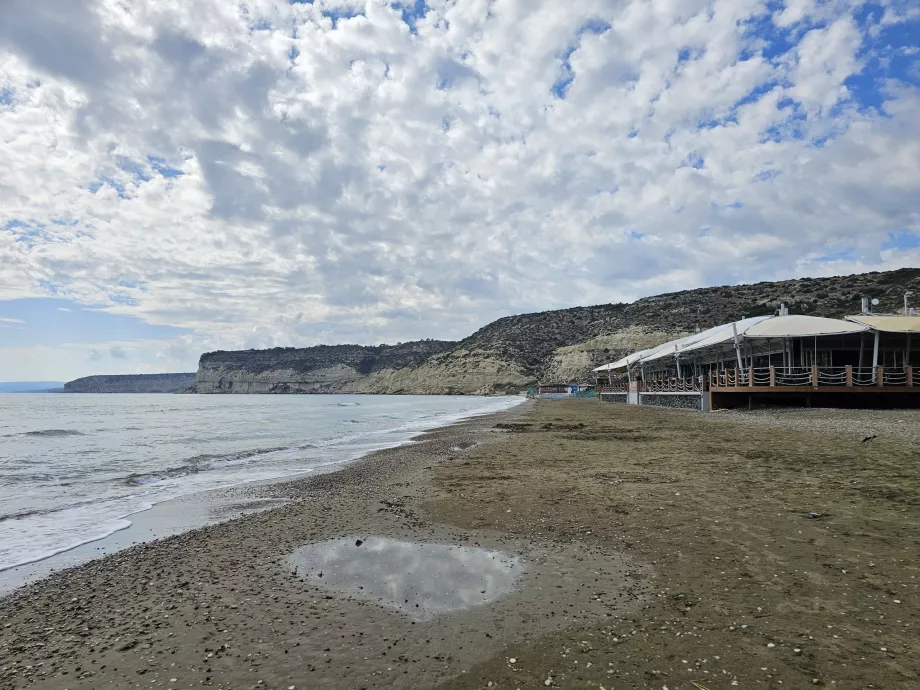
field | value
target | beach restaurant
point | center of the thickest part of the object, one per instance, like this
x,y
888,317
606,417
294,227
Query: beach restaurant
x,y
861,361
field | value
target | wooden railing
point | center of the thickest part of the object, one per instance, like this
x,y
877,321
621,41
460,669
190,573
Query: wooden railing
x,y
615,387
815,377
673,385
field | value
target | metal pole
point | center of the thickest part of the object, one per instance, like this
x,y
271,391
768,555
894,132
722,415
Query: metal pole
x,y
875,356
677,361
862,347
738,351
907,353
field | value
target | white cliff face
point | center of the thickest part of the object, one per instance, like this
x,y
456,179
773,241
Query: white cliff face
x,y
440,375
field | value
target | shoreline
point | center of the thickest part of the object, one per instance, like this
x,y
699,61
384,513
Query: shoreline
x,y
193,510
659,547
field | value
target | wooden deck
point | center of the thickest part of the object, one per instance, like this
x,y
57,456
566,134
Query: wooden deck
x,y
781,380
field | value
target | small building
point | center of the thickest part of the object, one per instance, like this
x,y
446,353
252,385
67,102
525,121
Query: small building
x,y
564,390
861,361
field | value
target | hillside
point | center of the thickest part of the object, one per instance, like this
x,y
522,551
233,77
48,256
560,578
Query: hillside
x,y
131,383
563,345
319,369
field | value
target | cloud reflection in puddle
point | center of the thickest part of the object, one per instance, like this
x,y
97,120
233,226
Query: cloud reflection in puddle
x,y
422,580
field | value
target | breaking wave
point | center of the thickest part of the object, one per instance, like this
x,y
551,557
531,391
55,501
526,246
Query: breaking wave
x,y
199,463
49,433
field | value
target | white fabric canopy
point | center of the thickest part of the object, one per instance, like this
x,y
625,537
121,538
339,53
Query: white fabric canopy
x,y
715,336
889,323
801,326
793,326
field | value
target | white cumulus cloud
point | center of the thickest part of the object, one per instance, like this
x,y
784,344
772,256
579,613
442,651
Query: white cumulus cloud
x,y
272,173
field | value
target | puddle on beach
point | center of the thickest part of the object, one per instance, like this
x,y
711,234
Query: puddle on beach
x,y
422,580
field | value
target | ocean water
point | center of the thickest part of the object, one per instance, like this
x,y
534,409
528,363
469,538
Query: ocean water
x,y
75,468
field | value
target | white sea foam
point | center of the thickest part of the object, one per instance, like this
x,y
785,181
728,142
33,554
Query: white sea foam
x,y
59,491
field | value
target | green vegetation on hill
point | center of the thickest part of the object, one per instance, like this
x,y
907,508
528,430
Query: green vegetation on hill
x,y
562,345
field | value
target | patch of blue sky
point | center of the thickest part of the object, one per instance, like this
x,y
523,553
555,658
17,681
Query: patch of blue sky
x,y
636,235
124,300
847,254
262,25
6,96
731,115
561,86
902,240
594,26
337,15
55,321
891,55
23,232
765,38
792,128
734,205
767,175
133,168
96,185
695,161
412,11
163,168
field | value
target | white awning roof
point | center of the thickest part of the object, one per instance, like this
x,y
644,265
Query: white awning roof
x,y
721,334
793,326
801,326
889,323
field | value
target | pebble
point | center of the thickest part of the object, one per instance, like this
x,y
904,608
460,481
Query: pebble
x,y
770,645
512,660
548,682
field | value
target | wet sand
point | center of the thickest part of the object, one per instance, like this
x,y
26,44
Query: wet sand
x,y
660,548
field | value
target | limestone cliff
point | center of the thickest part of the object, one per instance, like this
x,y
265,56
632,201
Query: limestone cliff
x,y
560,346
131,383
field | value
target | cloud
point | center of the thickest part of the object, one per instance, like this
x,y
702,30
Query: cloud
x,y
118,353
8,320
285,174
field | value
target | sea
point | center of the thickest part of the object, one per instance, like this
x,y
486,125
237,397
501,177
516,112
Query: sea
x,y
77,468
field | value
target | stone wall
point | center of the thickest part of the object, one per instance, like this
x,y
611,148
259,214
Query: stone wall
x,y
690,401
614,398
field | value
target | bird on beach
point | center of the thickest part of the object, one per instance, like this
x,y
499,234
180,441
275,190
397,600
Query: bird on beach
x,y
869,438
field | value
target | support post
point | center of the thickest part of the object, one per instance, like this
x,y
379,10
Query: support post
x,y
910,376
875,355
849,375
814,375
751,376
862,347
772,376
880,376
737,349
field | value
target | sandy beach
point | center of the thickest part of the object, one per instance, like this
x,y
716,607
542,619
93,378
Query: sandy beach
x,y
618,548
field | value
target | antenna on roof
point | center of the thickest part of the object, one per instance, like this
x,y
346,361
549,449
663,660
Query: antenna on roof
x,y
906,309
783,310
865,305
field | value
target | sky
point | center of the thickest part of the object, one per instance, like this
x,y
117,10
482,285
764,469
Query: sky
x,y
183,176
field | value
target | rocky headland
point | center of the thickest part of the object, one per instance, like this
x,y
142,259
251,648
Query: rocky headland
x,y
557,346
131,383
